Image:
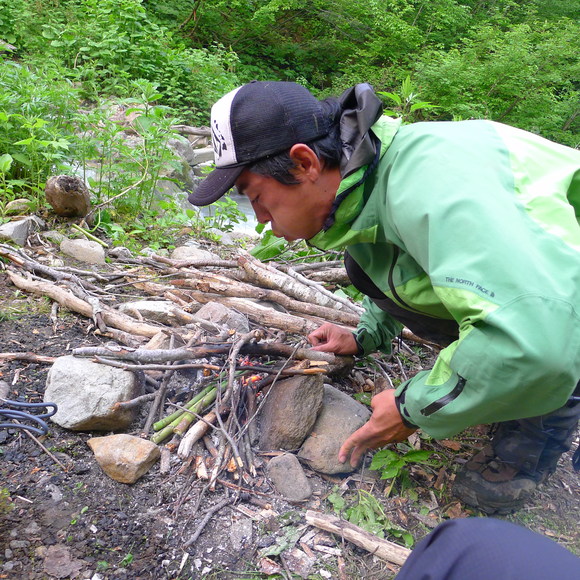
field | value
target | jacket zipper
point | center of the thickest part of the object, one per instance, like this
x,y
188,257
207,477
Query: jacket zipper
x,y
392,284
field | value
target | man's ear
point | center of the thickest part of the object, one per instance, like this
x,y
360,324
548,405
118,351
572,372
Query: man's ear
x,y
308,166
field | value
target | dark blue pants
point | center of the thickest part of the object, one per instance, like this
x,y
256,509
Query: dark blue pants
x,y
488,549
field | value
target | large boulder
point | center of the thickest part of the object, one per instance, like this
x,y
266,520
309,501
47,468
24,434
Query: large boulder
x,y
68,196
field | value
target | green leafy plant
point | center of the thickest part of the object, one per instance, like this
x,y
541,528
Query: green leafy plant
x,y
406,103
127,560
225,214
392,465
367,513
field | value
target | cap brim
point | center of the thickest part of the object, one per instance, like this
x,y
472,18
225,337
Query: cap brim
x,y
216,184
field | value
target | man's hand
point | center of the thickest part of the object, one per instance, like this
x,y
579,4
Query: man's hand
x,y
332,338
384,426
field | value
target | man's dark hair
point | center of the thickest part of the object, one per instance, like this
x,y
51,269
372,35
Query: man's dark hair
x,y
327,148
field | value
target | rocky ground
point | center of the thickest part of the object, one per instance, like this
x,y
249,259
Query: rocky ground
x,y
70,520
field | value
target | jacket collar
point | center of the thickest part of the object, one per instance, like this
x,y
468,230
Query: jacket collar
x,y
338,231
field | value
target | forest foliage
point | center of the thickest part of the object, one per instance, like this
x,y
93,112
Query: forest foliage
x,y
514,61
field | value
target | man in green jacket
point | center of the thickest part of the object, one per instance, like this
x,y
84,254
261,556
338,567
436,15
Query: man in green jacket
x,y
465,232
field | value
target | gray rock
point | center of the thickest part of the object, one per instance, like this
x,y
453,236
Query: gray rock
x,y
224,316
182,147
84,251
289,478
54,236
59,562
85,393
32,528
339,418
289,412
120,252
124,458
225,238
202,155
192,252
19,230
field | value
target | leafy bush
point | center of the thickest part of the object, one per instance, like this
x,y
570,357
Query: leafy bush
x,y
523,76
104,45
36,111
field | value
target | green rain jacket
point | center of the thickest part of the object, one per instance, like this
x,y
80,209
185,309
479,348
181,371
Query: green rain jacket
x,y
472,222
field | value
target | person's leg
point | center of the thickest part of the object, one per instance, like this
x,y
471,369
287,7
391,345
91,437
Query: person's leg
x,y
485,548
523,453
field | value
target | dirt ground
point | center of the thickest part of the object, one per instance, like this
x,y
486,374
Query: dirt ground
x,y
69,520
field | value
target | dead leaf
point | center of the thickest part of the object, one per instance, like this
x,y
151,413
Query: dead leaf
x,y
450,444
456,511
269,567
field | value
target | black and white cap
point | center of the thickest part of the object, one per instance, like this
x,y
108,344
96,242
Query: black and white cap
x,y
255,121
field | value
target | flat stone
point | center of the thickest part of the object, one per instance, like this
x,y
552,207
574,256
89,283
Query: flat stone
x,y
124,458
84,251
289,478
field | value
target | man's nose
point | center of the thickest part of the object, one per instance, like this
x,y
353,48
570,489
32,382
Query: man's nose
x,y
262,215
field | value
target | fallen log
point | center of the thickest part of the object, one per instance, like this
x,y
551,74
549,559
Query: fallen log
x,y
383,549
224,286
268,277
69,300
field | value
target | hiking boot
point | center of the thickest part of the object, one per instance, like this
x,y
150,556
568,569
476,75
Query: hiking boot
x,y
492,485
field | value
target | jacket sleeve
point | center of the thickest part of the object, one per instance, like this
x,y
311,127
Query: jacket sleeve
x,y
502,257
376,329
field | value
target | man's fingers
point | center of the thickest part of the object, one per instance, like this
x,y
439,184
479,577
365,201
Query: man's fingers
x,y
344,451
356,444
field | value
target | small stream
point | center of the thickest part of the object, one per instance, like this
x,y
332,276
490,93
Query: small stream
x,y
244,205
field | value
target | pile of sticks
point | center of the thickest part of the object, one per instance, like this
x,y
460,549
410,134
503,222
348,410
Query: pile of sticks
x,y
227,400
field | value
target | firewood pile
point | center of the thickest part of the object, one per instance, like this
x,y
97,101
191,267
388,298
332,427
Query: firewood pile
x,y
236,368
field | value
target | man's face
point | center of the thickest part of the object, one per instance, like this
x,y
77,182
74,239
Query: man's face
x,y
293,211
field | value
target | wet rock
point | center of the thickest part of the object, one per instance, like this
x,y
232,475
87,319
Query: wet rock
x,y
68,196
124,458
289,478
84,251
289,412
339,418
224,316
85,393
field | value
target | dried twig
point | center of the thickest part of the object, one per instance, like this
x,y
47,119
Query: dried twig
x,y
208,515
